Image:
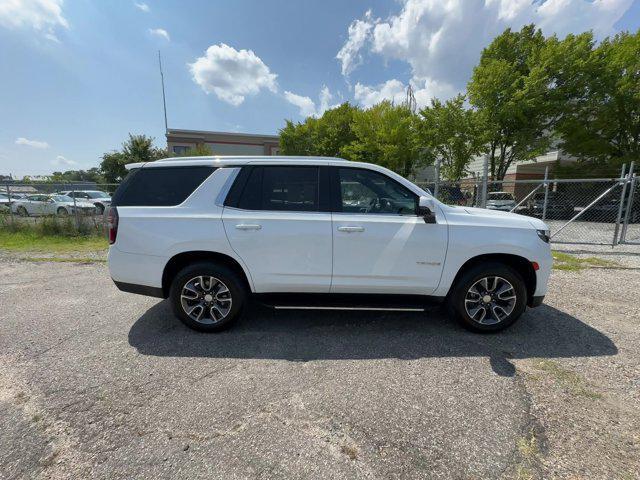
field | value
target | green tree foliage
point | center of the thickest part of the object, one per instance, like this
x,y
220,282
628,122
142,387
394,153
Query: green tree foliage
x,y
200,150
138,148
450,131
598,93
386,134
325,136
509,89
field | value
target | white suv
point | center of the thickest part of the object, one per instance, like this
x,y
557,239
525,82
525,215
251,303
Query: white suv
x,y
210,232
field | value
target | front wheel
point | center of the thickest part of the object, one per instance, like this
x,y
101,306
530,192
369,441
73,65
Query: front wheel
x,y
207,297
62,212
22,211
488,297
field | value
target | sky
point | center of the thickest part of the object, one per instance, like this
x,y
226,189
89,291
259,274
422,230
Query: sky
x,y
77,76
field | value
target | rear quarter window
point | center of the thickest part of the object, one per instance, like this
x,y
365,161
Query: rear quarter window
x,y
159,186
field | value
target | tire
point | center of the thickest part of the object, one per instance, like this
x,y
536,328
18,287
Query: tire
x,y
99,209
62,212
218,307
22,211
462,300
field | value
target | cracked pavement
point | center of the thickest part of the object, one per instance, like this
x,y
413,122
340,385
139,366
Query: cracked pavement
x,y
96,383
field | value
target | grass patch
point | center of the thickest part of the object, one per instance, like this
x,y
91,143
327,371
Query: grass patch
x,y
564,261
568,379
529,450
29,241
64,259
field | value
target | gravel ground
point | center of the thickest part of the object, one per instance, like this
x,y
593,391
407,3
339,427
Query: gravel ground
x,y
96,383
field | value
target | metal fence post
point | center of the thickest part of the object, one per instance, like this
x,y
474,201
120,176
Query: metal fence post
x,y
485,180
9,198
625,180
546,193
75,207
437,179
632,194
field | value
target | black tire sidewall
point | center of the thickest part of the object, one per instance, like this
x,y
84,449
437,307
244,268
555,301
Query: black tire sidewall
x,y
227,276
62,211
456,299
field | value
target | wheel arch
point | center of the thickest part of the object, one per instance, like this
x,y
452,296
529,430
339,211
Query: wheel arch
x,y
181,260
517,262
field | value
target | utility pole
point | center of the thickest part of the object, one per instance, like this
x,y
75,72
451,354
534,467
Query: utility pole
x,y
164,100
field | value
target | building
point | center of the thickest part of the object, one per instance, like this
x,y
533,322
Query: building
x,y
223,143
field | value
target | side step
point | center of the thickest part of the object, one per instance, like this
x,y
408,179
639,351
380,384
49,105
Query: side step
x,y
328,301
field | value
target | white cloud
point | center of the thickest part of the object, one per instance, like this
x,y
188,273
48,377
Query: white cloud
x,y
142,6
31,143
232,74
43,16
359,32
62,161
307,106
393,90
442,40
160,32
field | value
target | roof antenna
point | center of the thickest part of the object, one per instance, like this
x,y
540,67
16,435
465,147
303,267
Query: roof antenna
x,y
164,100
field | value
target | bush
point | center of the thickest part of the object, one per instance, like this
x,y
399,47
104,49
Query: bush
x,y
52,226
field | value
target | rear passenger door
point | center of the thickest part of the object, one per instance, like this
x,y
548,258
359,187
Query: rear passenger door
x,y
277,220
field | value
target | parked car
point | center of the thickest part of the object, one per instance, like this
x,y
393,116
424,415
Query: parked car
x,y
606,210
101,200
452,195
210,233
500,201
42,204
557,206
4,203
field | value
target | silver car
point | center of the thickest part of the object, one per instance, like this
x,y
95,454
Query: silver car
x,y
101,200
42,204
500,201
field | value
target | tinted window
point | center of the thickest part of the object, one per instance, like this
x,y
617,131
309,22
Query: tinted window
x,y
159,187
281,188
366,191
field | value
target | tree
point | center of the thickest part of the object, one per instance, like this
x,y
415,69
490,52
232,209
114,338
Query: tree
x,y
386,135
325,136
600,88
138,148
509,88
450,132
200,150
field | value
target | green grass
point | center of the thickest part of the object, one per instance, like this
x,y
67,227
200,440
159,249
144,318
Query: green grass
x,y
564,261
570,380
28,241
65,259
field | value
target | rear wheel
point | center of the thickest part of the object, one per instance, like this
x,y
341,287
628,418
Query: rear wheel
x,y
62,212
22,211
488,297
99,208
207,297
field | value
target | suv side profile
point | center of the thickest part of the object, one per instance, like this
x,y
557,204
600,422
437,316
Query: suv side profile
x,y
302,233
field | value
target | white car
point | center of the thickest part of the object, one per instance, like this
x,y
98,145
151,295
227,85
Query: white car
x,y
42,204
325,233
4,203
500,201
100,200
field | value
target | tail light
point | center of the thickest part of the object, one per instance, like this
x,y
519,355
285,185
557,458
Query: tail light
x,y
112,224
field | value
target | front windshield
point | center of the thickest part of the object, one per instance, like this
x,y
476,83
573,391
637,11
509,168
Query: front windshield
x,y
96,194
61,198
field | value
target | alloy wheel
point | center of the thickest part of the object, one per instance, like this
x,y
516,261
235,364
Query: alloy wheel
x,y
490,300
206,299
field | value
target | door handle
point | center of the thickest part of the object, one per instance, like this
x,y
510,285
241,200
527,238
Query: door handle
x,y
248,226
351,229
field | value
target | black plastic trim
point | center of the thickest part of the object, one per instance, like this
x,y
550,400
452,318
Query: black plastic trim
x,y
140,289
347,300
536,301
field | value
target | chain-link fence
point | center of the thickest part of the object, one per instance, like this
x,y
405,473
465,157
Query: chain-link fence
x,y
602,211
81,206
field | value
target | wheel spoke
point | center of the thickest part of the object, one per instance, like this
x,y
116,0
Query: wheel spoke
x,y
206,299
490,300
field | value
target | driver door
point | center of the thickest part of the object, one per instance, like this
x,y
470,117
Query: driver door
x,y
380,244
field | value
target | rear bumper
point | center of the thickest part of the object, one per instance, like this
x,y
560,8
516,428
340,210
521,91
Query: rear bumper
x,y
536,301
140,289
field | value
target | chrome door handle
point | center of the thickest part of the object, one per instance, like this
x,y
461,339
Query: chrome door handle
x,y
248,226
351,229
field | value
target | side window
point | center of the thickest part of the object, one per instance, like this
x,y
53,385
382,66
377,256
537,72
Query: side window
x,y
366,191
281,189
159,186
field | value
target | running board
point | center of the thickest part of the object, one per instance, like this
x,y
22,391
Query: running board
x,y
344,301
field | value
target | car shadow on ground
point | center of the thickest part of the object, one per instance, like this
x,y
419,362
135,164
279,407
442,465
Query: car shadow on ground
x,y
305,335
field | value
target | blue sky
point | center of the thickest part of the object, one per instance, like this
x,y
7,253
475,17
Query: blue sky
x,y
78,76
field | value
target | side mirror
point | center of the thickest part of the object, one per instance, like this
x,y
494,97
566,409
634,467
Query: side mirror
x,y
427,209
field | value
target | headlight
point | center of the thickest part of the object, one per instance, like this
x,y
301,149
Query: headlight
x,y
544,235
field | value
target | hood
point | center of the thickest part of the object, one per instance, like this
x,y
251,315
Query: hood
x,y
501,202
493,217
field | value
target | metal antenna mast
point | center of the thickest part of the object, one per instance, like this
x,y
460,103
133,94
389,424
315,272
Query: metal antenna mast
x,y
164,100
